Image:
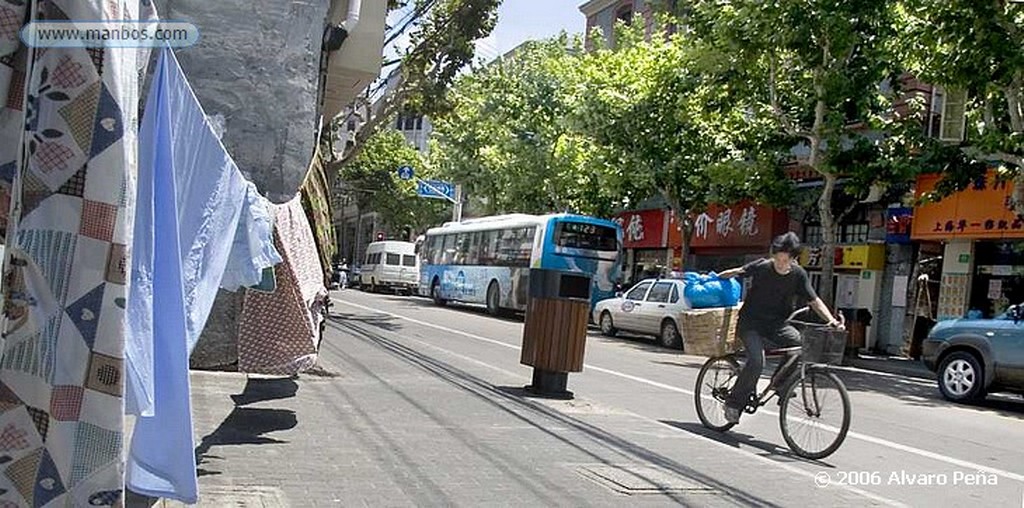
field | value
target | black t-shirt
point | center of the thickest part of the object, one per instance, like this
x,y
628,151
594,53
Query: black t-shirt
x,y
773,297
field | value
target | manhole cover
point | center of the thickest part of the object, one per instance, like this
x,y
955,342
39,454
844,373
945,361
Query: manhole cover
x,y
634,479
242,497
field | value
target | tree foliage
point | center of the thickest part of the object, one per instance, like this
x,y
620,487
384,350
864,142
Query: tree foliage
x,y
441,45
825,74
506,138
372,178
976,47
676,127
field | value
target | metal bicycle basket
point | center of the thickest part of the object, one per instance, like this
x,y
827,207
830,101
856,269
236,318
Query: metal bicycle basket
x,y
823,345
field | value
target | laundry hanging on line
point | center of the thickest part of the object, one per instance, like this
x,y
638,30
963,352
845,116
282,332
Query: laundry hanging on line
x,y
190,192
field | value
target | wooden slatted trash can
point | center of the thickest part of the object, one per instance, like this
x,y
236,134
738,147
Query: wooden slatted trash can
x,y
555,335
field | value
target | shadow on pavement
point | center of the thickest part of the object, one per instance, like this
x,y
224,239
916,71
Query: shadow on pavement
x,y
534,414
925,393
248,425
382,321
735,439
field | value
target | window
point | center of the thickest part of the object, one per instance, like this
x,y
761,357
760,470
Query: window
x,y
675,294
394,259
954,115
473,258
488,248
625,14
580,235
661,292
638,292
854,233
462,248
813,235
408,260
448,256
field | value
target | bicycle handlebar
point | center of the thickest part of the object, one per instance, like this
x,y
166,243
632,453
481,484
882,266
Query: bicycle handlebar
x,y
792,318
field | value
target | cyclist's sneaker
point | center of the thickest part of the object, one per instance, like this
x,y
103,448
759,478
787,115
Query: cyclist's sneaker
x,y
732,414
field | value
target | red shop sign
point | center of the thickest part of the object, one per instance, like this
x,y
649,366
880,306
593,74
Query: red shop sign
x,y
643,229
740,225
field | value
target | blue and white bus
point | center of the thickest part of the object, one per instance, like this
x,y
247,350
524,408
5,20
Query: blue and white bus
x,y
488,260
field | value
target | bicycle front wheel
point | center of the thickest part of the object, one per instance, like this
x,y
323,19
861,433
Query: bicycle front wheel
x,y
715,381
815,414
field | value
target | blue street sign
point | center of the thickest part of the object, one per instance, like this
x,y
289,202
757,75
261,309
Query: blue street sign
x,y
405,172
423,189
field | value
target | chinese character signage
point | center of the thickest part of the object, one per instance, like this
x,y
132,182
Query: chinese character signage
x,y
858,257
897,225
643,229
983,210
741,225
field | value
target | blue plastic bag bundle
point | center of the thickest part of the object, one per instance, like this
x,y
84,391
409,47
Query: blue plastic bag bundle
x,y
709,291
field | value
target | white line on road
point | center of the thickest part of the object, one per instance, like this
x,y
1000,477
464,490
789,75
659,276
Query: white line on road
x,y
855,435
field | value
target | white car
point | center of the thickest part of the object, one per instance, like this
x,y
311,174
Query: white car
x,y
651,307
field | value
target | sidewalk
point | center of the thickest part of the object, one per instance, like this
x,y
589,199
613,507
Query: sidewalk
x,y
891,365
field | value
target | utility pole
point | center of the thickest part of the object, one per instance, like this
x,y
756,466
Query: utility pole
x,y
457,210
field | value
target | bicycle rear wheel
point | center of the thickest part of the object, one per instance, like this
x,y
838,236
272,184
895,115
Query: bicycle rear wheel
x,y
815,414
715,381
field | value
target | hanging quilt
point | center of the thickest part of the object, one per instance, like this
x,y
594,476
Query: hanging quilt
x,y
61,372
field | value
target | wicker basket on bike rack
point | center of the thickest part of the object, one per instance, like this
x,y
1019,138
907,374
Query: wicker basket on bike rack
x,y
710,332
823,345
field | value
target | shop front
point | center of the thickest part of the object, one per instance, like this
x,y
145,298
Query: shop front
x,y
856,284
644,235
725,237
983,254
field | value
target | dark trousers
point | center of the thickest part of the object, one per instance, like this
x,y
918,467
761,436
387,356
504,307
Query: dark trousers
x,y
755,341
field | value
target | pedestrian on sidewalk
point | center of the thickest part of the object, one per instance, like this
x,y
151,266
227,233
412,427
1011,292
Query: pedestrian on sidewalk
x,y
775,285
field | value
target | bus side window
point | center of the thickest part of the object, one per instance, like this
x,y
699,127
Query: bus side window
x,y
473,257
449,249
488,247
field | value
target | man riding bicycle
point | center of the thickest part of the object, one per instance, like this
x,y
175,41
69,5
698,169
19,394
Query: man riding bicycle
x,y
775,284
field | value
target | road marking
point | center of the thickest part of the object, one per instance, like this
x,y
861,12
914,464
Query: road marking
x,y
855,435
786,467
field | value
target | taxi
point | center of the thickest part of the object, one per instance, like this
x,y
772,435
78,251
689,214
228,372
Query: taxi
x,y
651,307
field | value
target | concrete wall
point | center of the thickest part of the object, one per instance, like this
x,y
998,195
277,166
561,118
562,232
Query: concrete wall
x,y
258,65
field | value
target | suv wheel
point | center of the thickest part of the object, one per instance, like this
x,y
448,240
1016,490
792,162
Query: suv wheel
x,y
961,378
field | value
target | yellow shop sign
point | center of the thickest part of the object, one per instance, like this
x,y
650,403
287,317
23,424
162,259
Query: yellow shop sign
x,y
858,257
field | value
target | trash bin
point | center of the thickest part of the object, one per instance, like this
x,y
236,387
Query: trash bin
x,y
555,334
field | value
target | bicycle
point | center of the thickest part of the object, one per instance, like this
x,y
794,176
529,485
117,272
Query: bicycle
x,y
803,381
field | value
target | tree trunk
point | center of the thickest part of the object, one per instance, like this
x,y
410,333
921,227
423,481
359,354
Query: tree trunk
x,y
687,234
828,234
828,221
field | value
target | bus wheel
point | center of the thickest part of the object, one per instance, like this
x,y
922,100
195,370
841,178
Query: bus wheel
x,y
493,299
435,293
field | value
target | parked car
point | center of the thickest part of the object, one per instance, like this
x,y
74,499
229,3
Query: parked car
x,y
651,307
391,265
974,357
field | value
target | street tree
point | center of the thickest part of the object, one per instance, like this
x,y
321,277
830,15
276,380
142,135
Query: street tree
x,y
975,52
674,127
824,74
507,141
371,179
441,43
